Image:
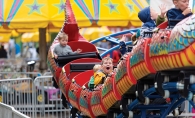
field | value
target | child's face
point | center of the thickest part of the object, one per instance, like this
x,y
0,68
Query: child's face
x,y
107,66
153,14
63,41
181,4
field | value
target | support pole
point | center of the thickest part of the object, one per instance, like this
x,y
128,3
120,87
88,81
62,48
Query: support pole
x,y
42,49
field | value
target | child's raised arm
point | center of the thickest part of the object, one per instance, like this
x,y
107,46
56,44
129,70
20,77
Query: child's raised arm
x,y
163,10
161,18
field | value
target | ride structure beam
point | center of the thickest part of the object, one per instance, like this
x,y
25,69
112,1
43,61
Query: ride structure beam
x,y
42,49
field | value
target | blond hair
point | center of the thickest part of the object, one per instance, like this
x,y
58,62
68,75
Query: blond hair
x,y
62,35
106,59
174,0
96,67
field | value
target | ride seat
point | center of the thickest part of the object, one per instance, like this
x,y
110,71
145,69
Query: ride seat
x,y
73,68
63,60
81,67
83,78
88,51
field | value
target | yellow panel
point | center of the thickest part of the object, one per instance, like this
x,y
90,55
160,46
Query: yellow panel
x,y
139,70
5,37
162,63
184,59
178,60
51,11
170,61
174,61
190,55
156,63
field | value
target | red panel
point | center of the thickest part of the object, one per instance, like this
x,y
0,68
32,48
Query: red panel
x,y
86,85
64,84
72,31
83,77
147,55
85,46
163,25
118,96
96,102
129,71
85,104
74,91
82,60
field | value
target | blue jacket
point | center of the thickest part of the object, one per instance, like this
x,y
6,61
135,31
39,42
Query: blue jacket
x,y
176,14
145,17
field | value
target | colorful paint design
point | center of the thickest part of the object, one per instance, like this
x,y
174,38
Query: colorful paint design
x,y
50,67
95,100
61,85
83,102
120,72
130,6
158,48
60,6
107,88
1,12
35,7
179,43
71,95
138,55
15,7
137,4
84,8
96,4
112,6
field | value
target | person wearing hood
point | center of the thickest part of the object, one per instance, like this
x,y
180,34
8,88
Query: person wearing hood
x,y
145,16
150,20
148,24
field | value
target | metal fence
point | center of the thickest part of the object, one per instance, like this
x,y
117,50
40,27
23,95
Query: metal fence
x,y
10,75
12,65
37,98
7,111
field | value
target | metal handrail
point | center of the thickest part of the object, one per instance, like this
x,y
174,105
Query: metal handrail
x,y
111,38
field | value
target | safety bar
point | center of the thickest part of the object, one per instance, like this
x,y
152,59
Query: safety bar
x,y
115,34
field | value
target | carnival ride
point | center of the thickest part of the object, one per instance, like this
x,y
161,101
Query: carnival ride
x,y
153,80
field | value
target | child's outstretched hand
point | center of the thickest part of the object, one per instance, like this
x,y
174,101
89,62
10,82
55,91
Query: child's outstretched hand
x,y
187,11
55,56
79,50
123,38
163,10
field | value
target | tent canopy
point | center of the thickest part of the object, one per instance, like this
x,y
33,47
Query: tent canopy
x,y
94,32
41,13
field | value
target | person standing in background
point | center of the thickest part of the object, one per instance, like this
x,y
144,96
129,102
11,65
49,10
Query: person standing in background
x,y
3,52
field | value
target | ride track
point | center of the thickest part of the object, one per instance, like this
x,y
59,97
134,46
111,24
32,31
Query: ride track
x,y
158,67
